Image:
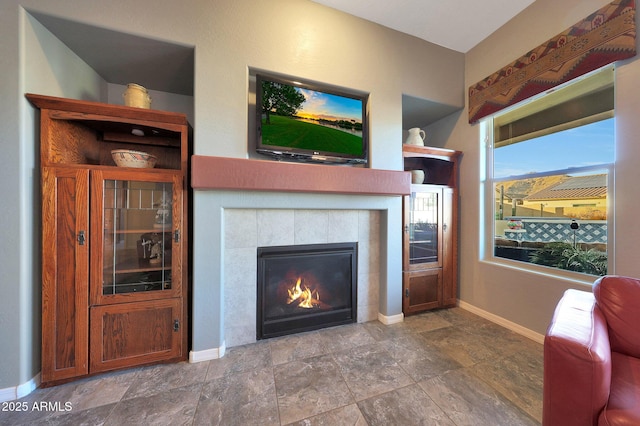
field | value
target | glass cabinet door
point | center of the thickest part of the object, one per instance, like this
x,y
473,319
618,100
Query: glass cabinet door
x,y
423,228
138,236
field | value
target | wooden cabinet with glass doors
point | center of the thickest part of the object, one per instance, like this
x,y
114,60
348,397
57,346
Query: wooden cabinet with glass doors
x,y
430,230
114,258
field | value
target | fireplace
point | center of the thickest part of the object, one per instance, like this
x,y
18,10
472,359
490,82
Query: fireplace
x,y
305,287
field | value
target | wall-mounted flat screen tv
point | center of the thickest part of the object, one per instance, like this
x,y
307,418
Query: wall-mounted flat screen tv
x,y
310,122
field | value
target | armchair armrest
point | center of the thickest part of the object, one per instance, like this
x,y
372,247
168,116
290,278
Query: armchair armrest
x,y
577,362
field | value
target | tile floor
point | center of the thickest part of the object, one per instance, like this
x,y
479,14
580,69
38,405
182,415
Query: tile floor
x,y
447,367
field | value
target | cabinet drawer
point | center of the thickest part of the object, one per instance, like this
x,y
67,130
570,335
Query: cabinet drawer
x,y
130,334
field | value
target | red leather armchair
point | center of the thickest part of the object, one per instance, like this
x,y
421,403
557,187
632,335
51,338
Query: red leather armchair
x,y
592,356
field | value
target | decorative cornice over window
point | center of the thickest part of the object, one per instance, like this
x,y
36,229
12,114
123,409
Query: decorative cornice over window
x,y
605,36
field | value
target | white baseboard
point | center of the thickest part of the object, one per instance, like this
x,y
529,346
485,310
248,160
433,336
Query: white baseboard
x,y
393,319
207,354
17,392
516,328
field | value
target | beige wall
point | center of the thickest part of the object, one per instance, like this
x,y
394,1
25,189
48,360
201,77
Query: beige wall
x,y
526,298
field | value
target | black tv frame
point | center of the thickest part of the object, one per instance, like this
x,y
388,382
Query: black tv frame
x,y
306,155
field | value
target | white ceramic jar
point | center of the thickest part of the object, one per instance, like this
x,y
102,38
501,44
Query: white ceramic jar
x,y
417,176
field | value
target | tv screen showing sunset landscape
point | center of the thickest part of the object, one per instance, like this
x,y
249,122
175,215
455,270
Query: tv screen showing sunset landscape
x,y
308,120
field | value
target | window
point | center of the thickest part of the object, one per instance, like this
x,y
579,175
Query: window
x,y
549,174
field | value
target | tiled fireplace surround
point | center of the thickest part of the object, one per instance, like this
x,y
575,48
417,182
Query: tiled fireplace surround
x,y
233,224
242,204
247,229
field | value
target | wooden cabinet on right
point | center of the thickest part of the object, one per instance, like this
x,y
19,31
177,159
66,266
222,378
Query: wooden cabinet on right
x,y
430,230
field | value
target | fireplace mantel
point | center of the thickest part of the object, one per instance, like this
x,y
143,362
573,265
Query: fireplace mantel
x,y
222,173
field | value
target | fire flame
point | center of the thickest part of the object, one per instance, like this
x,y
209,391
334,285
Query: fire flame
x,y
306,298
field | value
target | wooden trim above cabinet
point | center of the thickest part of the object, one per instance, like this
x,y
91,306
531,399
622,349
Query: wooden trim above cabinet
x,y
84,110
430,152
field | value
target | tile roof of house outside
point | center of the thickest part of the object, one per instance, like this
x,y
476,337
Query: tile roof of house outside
x,y
577,187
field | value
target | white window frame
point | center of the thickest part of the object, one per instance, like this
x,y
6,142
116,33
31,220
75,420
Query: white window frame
x,y
487,210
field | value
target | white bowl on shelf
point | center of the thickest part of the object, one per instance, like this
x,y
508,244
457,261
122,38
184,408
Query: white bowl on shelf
x,y
131,158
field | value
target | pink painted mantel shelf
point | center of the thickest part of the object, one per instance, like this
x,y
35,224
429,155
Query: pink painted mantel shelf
x,y
222,173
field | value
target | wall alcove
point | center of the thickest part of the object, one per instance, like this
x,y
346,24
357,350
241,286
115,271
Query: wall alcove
x,y
120,58
419,112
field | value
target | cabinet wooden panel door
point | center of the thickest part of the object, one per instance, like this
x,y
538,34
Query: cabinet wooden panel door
x,y
422,290
128,334
65,273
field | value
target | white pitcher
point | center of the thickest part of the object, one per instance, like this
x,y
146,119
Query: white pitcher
x,y
416,137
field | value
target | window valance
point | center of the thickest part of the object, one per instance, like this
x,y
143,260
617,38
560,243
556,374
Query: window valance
x,y
605,36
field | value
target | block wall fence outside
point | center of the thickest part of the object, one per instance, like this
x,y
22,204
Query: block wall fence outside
x,y
551,229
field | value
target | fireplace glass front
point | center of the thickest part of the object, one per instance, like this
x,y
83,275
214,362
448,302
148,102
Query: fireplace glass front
x,y
305,287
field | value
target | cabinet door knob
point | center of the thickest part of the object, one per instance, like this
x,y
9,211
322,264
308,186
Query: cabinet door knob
x,y
406,292
81,238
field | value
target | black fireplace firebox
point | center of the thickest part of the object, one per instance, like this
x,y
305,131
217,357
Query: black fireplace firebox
x,y
306,287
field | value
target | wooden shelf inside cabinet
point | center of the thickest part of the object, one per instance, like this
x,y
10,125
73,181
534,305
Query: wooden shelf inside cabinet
x,y
140,231
133,267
